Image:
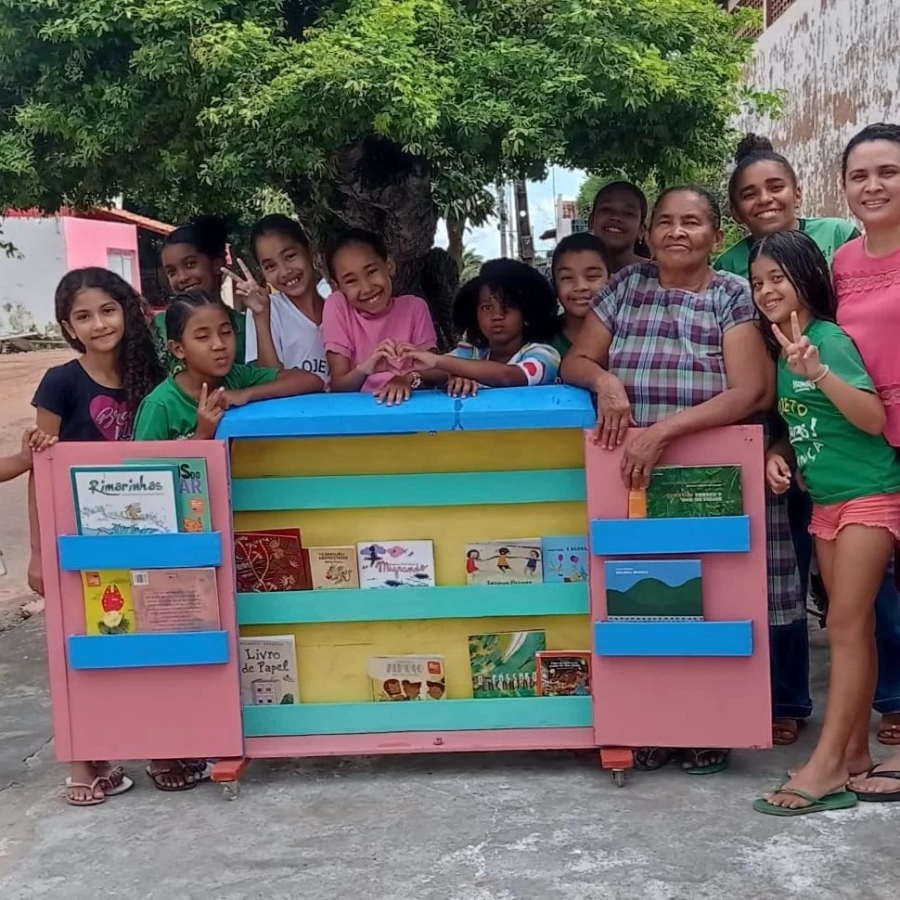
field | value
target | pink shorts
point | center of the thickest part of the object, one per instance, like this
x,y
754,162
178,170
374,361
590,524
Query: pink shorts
x,y
879,511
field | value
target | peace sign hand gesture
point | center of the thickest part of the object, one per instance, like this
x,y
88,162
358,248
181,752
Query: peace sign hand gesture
x,y
254,294
801,355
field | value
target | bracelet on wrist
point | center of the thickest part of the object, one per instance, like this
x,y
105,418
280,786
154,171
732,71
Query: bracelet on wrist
x,y
825,370
415,381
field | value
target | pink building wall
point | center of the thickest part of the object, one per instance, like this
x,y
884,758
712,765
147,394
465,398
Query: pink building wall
x,y
89,242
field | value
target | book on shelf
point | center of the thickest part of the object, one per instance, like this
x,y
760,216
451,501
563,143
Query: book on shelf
x,y
654,589
564,673
175,599
504,664
694,492
333,568
396,564
268,667
108,602
125,499
565,558
409,677
193,491
270,560
509,561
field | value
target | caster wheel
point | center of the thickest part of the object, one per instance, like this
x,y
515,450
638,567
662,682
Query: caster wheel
x,y
231,790
619,777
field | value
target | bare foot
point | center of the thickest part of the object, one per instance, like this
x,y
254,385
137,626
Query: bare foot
x,y
170,774
867,783
81,777
815,781
889,729
785,731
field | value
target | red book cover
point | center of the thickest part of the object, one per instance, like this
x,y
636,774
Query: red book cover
x,y
271,560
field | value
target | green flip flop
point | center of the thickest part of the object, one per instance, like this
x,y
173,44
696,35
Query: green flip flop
x,y
697,757
828,803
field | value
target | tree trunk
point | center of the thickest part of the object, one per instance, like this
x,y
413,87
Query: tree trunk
x,y
456,229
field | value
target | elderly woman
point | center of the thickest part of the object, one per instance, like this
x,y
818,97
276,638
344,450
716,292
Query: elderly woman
x,y
674,347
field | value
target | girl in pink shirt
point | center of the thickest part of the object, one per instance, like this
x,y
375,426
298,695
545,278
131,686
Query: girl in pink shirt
x,y
364,323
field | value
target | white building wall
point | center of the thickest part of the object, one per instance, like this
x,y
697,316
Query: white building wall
x,y
837,63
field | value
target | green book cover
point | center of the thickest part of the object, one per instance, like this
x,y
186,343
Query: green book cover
x,y
654,589
694,492
193,492
505,664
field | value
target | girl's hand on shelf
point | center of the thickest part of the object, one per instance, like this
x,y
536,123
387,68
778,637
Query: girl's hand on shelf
x,y
422,359
210,410
801,355
461,387
378,361
778,473
233,398
395,391
254,294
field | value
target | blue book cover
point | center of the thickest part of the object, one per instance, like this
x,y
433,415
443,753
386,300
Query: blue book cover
x,y
565,558
654,589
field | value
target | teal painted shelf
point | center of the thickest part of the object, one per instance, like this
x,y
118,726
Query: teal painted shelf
x,y
384,605
389,491
305,719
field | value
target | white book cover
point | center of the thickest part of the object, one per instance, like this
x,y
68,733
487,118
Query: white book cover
x,y
268,670
396,564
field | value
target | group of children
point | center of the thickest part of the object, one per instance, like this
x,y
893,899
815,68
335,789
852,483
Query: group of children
x,y
173,376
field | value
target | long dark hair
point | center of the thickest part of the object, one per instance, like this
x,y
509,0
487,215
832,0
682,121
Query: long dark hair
x,y
137,362
278,223
754,148
880,131
806,268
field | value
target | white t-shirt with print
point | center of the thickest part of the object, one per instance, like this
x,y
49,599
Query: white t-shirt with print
x,y
297,339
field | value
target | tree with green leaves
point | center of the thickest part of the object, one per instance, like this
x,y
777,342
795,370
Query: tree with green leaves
x,y
385,114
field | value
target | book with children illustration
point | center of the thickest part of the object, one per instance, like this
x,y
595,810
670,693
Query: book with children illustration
x,y
395,564
654,589
332,568
108,605
272,560
564,673
126,499
565,558
505,664
175,600
694,491
409,677
193,491
511,561
268,667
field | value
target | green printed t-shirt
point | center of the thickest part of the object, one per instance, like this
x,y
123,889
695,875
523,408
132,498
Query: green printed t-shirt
x,y
168,413
838,461
560,343
173,365
829,234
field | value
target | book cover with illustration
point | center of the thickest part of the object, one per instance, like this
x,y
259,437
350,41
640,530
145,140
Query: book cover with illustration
x,y
108,605
511,561
125,499
565,558
193,492
564,673
505,664
268,670
654,589
694,492
396,564
409,677
272,560
332,568
175,600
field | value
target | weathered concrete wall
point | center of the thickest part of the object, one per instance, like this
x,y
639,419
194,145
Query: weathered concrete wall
x,y
838,64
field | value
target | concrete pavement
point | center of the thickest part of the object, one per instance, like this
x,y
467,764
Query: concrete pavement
x,y
452,827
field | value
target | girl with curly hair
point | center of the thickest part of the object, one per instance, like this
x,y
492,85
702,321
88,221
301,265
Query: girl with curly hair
x,y
95,398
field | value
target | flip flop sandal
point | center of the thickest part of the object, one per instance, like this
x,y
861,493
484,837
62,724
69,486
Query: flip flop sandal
x,y
93,787
879,796
697,757
200,769
155,775
115,782
649,759
889,735
785,731
828,803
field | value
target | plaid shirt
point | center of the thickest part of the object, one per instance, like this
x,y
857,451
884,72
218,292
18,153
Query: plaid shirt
x,y
667,351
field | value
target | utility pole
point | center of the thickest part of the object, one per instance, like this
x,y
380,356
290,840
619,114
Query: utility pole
x,y
523,222
503,216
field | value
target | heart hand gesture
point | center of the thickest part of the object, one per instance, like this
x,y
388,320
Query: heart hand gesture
x,y
254,294
801,355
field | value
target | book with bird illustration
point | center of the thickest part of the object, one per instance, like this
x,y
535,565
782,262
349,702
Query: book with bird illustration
x,y
396,564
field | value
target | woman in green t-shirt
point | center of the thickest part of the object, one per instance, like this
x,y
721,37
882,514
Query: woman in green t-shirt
x,y
835,420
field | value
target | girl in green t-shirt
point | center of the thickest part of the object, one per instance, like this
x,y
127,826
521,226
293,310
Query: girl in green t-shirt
x,y
190,403
834,418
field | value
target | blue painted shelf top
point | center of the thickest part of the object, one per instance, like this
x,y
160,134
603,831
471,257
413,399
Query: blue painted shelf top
x,y
322,415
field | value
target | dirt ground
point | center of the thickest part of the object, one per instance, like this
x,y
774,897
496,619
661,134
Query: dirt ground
x,y
19,376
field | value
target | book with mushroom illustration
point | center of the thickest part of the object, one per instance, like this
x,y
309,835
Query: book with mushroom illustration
x,y
108,603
